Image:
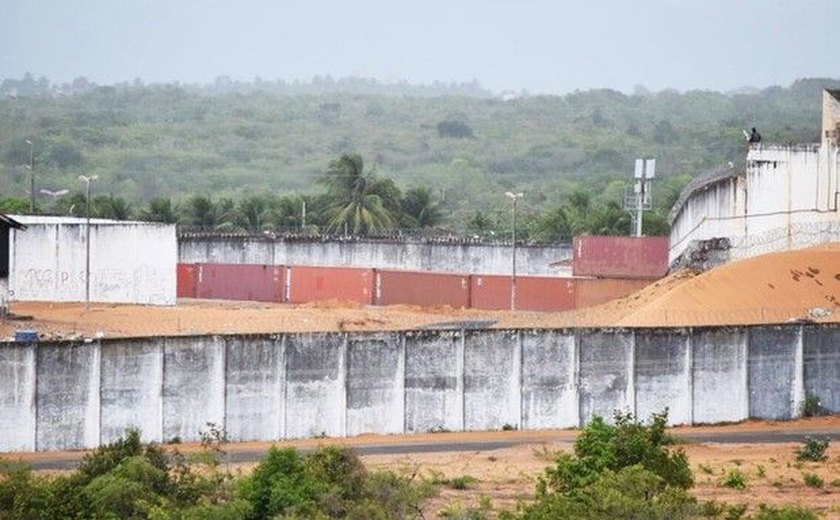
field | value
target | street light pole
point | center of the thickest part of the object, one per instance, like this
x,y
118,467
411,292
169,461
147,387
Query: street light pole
x,y
31,176
54,194
514,197
87,180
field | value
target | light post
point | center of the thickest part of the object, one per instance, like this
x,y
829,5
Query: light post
x,y
513,197
54,194
31,176
87,180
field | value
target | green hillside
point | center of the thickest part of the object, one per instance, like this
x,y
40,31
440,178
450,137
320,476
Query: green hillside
x,y
571,153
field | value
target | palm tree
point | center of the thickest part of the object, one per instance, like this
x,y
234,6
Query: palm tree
x,y
252,213
418,209
357,201
200,212
160,210
111,207
553,225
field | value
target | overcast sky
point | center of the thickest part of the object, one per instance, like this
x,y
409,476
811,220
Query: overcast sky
x,y
543,46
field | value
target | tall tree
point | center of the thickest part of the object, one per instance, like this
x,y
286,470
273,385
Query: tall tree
x,y
419,210
160,210
252,213
200,212
358,201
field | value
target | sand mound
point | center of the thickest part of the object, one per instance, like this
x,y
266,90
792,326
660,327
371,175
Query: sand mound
x,y
773,288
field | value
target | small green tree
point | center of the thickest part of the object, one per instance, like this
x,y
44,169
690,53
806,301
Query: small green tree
x,y
617,471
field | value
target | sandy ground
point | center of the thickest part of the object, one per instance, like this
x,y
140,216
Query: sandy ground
x,y
775,288
508,476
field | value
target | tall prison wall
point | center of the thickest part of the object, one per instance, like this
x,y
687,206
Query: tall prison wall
x,y
409,256
66,395
788,198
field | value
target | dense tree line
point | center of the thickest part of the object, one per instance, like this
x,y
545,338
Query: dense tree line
x,y
255,156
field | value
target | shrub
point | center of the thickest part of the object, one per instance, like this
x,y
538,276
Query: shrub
x,y
330,482
620,471
632,492
734,479
812,450
602,447
813,480
812,406
785,513
462,482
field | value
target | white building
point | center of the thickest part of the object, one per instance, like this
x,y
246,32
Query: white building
x,y
786,199
129,262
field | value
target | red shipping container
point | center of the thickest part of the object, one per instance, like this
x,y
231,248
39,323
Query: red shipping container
x,y
620,257
253,282
186,280
421,288
533,293
595,291
309,284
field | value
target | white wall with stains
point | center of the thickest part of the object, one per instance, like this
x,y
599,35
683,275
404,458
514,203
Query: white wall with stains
x,y
130,262
788,198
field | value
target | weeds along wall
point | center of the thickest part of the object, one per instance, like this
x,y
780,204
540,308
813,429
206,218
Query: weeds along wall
x,y
62,395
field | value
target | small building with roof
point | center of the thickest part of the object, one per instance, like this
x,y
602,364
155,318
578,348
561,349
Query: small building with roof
x,y
129,262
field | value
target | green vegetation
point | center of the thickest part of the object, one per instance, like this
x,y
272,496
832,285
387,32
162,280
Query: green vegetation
x,y
812,450
617,471
462,482
813,480
249,156
812,406
734,479
132,480
625,470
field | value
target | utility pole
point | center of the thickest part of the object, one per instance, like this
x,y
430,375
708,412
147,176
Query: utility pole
x,y
303,216
514,197
87,180
31,176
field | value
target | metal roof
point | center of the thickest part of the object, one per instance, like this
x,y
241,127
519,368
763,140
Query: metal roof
x,y
10,222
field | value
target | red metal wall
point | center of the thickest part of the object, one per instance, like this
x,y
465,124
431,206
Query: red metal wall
x,y
262,283
421,288
186,280
620,257
533,293
309,284
595,291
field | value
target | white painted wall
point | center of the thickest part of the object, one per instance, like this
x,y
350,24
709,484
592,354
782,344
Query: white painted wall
x,y
787,199
130,262
415,256
69,395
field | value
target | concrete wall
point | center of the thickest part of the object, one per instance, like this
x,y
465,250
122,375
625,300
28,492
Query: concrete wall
x,y
662,369
409,256
434,381
130,262
787,198
64,395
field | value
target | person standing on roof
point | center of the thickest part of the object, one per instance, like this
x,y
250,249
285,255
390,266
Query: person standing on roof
x,y
755,137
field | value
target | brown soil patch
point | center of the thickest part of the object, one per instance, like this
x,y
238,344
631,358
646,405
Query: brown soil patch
x,y
506,477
